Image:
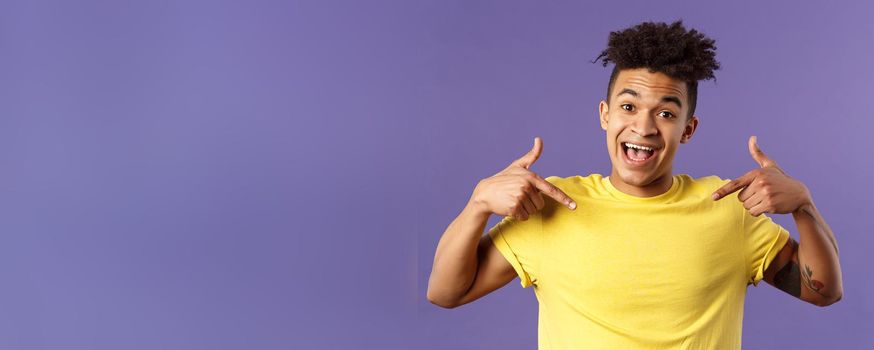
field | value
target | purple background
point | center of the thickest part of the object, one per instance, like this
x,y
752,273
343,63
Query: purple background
x,y
276,175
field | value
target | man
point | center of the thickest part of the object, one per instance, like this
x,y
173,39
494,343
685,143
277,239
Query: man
x,y
641,258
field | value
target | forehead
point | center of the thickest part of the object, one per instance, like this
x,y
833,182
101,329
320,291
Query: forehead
x,y
649,84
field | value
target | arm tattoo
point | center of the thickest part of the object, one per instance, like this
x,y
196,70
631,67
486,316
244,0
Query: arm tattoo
x,y
811,283
788,278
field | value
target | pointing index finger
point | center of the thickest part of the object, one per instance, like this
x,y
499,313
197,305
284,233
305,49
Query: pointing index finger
x,y
733,186
553,192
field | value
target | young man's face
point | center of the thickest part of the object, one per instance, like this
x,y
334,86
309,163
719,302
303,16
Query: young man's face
x,y
649,111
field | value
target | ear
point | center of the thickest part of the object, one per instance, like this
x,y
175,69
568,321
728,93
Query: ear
x,y
603,110
691,126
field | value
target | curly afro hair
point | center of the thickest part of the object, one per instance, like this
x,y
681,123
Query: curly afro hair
x,y
686,55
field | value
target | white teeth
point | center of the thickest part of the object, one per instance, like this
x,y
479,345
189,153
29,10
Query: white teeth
x,y
631,145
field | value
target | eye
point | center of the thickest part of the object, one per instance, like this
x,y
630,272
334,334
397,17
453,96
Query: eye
x,y
666,114
627,106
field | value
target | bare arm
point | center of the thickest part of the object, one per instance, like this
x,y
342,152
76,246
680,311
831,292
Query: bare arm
x,y
809,270
466,264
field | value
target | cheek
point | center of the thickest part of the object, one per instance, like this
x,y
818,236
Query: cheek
x,y
670,151
672,133
612,134
615,128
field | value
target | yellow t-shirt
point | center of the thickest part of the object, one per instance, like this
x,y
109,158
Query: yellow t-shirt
x,y
626,272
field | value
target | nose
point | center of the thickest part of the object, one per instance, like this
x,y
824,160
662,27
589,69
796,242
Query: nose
x,y
644,125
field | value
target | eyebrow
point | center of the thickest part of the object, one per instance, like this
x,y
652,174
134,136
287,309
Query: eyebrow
x,y
668,98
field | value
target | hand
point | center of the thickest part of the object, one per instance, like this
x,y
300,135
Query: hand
x,y
517,191
767,189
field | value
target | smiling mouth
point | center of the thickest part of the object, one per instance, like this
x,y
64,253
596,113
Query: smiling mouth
x,y
636,154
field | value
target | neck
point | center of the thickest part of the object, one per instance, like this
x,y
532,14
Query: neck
x,y
658,186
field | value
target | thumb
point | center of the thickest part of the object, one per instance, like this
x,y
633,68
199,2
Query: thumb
x,y
758,155
529,158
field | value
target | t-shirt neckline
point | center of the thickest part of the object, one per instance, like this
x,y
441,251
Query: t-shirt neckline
x,y
675,186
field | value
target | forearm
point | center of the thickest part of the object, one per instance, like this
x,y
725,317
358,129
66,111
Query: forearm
x,y
818,256
455,260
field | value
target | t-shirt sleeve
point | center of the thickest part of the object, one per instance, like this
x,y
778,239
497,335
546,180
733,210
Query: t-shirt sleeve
x,y
763,240
519,242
